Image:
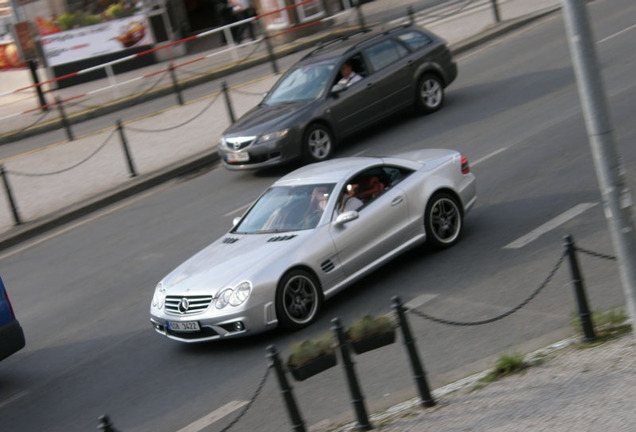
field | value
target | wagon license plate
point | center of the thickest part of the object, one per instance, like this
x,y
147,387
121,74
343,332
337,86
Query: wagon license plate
x,y
238,157
184,326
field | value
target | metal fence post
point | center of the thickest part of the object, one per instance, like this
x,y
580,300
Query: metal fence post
x,y
14,208
65,122
495,10
298,424
356,395
175,84
416,364
105,425
410,14
124,143
228,102
270,52
585,315
361,23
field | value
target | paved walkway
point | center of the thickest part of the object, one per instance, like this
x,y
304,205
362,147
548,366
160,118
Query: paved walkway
x,y
569,387
64,180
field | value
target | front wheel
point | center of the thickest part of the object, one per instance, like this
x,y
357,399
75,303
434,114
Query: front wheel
x,y
298,300
443,221
430,94
318,143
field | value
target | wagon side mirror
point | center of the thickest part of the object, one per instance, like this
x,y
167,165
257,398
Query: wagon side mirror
x,y
338,88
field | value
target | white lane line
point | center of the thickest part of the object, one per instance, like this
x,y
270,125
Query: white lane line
x,y
617,34
419,301
240,209
495,153
214,416
13,398
550,225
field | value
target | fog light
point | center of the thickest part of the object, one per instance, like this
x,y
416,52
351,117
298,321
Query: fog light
x,y
238,326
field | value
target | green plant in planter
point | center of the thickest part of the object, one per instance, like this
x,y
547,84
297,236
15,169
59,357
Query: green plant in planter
x,y
307,350
370,326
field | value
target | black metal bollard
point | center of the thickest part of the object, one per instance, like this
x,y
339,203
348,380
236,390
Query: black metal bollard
x,y
7,187
65,122
105,425
286,390
270,52
228,102
38,87
416,364
124,143
495,10
579,291
356,395
363,25
175,84
410,14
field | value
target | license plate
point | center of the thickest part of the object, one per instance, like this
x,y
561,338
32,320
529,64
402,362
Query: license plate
x,y
184,326
237,157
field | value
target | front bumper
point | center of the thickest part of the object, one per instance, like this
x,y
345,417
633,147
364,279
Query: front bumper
x,y
261,155
226,326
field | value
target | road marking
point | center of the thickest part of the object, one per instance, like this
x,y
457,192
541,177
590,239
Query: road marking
x,y
550,225
488,156
617,34
13,398
240,209
419,301
214,416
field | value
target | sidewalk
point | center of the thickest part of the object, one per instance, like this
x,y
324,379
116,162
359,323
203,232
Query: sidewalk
x,y
66,180
568,387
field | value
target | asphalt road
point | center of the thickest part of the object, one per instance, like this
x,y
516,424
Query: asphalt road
x,y
82,293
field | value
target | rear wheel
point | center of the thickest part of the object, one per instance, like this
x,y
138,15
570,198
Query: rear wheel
x,y
298,300
318,143
430,94
443,221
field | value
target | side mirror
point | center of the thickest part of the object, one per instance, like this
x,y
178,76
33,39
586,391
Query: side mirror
x,y
338,88
346,217
236,220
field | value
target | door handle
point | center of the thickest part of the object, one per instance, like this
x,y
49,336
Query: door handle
x,y
369,85
397,200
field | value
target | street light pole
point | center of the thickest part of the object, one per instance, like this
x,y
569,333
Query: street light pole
x,y
609,170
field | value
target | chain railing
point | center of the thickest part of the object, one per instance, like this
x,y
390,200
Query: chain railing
x,y
503,315
246,408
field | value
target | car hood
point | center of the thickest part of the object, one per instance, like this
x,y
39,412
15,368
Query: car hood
x,y
230,260
265,118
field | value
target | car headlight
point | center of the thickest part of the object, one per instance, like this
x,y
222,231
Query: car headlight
x,y
234,296
272,136
158,299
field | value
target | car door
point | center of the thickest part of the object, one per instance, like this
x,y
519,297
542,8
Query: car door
x,y
392,72
355,107
379,229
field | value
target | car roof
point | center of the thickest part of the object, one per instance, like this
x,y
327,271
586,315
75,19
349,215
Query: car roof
x,y
330,171
338,47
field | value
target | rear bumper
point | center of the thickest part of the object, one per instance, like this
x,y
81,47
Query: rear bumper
x,y
11,339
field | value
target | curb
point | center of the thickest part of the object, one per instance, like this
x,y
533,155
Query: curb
x,y
31,229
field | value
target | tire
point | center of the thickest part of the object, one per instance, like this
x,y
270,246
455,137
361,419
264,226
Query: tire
x,y
429,95
298,300
318,143
443,221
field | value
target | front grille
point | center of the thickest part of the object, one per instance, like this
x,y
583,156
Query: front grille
x,y
196,304
239,143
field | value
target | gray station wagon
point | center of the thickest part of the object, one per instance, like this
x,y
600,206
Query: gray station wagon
x,y
309,109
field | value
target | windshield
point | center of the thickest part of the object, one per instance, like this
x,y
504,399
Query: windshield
x,y
300,84
286,208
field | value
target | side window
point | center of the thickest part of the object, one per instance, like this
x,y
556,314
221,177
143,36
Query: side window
x,y
357,67
394,175
385,53
362,189
415,40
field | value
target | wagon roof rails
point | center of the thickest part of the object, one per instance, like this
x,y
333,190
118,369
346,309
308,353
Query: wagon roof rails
x,y
323,45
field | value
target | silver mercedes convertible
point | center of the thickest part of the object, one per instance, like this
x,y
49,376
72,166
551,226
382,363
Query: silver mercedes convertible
x,y
311,234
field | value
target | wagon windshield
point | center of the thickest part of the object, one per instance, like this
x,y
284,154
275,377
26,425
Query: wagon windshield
x,y
287,208
302,83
